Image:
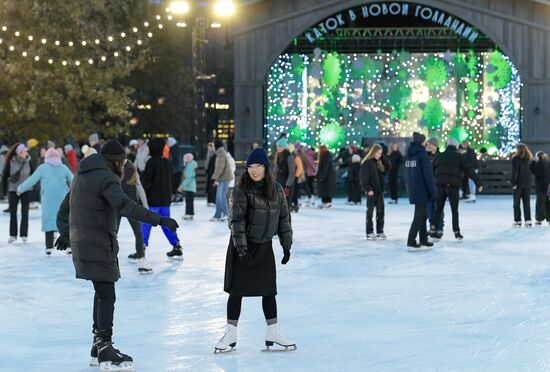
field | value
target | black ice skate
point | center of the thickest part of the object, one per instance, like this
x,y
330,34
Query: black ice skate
x,y
111,359
93,353
134,257
175,253
458,236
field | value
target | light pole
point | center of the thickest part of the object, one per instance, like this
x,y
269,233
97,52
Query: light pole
x,y
202,18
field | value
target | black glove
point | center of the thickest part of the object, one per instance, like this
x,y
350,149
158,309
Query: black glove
x,y
170,223
286,256
247,260
62,243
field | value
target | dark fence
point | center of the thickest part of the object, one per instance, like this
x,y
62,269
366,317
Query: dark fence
x,y
494,175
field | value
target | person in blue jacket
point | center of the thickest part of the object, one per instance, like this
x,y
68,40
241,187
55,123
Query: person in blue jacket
x,y
421,190
55,179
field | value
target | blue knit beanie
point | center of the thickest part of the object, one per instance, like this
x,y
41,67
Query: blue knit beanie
x,y
258,156
283,142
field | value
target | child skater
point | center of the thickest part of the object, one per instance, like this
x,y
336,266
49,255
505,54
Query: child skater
x,y
189,185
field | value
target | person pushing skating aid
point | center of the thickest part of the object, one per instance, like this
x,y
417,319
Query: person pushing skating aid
x,y
87,221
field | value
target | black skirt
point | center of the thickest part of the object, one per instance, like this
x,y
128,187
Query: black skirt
x,y
242,281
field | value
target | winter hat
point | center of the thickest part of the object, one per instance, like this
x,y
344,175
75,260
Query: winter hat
x,y
93,138
4,149
33,142
68,147
218,143
50,144
171,141
52,157
112,150
452,142
89,151
355,158
258,156
187,158
419,138
20,148
133,142
282,143
432,141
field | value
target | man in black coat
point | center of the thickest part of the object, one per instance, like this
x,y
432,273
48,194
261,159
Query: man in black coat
x,y
448,169
87,220
471,157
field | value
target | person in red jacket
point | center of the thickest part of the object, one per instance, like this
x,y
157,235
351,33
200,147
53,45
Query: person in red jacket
x,y
72,160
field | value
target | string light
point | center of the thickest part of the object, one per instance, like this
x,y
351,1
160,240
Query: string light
x,y
37,58
24,54
84,43
91,61
50,61
4,28
77,62
43,41
64,63
30,38
97,41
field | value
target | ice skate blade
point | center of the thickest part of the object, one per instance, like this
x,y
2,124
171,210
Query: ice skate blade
x,y
94,362
421,249
269,345
228,350
148,272
122,367
175,258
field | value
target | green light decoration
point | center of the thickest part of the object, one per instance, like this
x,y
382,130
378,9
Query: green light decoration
x,y
347,97
332,70
434,114
366,68
332,135
434,73
298,65
472,93
499,71
297,134
459,133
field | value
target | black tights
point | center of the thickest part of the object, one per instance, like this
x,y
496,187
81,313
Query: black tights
x,y
269,304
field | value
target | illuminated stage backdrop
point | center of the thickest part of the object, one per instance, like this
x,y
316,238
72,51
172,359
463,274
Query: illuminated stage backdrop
x,y
337,99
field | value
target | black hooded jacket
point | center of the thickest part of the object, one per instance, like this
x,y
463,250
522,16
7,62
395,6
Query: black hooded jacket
x,y
541,171
157,176
88,219
450,165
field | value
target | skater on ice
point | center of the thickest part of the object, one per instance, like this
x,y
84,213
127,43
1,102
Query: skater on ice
x,y
326,178
421,190
448,168
222,176
55,179
157,182
521,181
258,212
540,167
87,222
189,185
373,168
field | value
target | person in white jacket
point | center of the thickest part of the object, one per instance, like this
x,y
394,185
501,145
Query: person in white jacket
x,y
233,166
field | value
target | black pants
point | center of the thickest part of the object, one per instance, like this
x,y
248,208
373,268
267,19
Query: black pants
x,y
269,305
296,192
176,181
542,211
326,200
444,192
419,224
375,201
49,239
136,228
189,203
104,309
13,203
522,195
310,184
354,192
393,178
211,191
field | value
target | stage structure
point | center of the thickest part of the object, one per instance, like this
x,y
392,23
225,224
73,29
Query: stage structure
x,y
335,71
387,70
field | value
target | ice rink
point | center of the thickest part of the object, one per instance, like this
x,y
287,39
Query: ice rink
x,y
348,303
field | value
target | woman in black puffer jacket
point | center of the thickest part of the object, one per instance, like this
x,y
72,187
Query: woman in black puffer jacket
x,y
521,183
258,211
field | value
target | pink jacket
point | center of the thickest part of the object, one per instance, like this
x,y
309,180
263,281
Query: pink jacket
x,y
312,168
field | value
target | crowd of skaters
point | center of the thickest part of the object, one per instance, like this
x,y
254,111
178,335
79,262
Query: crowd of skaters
x,y
158,174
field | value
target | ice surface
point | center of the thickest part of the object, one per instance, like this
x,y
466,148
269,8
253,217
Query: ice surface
x,y
349,304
